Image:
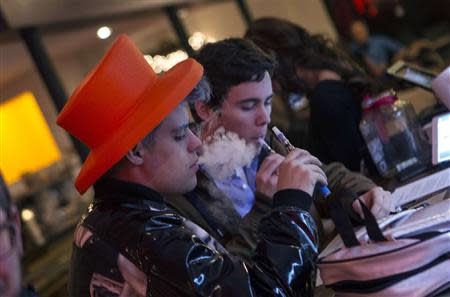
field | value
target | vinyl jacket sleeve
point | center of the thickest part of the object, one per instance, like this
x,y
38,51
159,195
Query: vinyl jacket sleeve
x,y
181,260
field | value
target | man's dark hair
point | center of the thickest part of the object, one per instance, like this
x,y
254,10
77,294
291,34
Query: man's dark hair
x,y
230,62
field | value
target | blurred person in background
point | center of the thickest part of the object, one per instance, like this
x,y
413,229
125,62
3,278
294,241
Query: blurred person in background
x,y
10,249
377,52
333,83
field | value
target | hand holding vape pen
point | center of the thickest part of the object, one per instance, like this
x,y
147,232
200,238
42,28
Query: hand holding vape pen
x,y
280,136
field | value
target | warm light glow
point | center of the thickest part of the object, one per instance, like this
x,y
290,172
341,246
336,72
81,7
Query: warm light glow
x,y
27,214
163,63
198,39
26,143
104,32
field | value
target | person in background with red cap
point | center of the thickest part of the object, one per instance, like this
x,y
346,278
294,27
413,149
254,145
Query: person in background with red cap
x,y
130,243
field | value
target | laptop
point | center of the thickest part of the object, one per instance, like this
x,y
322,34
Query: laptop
x,y
441,139
414,74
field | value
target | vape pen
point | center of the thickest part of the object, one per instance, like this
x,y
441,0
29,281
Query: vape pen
x,y
266,146
280,136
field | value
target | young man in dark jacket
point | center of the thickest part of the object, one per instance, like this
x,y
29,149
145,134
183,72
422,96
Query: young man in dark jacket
x,y
239,75
129,243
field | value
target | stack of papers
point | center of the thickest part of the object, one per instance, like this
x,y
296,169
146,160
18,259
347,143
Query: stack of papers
x,y
421,188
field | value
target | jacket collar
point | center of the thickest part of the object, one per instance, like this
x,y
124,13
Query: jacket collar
x,y
118,190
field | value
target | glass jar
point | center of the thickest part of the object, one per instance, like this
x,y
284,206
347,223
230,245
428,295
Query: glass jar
x,y
393,136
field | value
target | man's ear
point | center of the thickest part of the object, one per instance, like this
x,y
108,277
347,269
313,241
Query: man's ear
x,y
203,110
136,154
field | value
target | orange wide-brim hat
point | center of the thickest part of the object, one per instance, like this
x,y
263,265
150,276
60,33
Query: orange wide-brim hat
x,y
121,101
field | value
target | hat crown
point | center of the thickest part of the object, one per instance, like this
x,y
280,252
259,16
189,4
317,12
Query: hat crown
x,y
109,93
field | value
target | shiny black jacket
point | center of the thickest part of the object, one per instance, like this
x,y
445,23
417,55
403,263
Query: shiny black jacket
x,y
180,259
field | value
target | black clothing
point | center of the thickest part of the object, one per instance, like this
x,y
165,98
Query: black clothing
x,y
28,292
334,125
94,270
180,259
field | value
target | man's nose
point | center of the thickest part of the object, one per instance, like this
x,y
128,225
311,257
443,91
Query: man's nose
x,y
263,117
195,143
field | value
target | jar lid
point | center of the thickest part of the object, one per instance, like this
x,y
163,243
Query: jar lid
x,y
384,98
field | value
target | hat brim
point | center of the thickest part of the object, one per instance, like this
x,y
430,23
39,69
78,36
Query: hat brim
x,y
169,91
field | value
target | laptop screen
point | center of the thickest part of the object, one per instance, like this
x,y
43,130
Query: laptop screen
x,y
441,138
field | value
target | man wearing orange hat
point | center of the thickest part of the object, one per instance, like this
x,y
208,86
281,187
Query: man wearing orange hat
x,y
129,243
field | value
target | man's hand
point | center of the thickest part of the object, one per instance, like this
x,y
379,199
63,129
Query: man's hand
x,y
300,170
377,200
267,175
